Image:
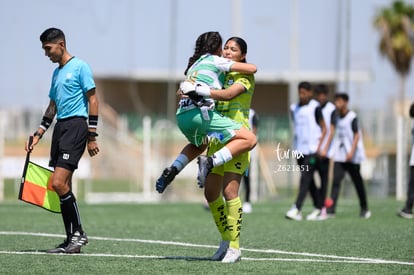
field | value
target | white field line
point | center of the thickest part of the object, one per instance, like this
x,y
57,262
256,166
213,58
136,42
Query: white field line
x,y
332,258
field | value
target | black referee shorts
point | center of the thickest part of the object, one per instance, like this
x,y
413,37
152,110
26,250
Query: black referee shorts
x,y
68,142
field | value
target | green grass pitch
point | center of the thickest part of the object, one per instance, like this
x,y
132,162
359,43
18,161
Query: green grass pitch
x,y
178,238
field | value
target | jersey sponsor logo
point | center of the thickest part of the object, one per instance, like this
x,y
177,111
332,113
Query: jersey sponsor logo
x,y
230,81
216,135
238,165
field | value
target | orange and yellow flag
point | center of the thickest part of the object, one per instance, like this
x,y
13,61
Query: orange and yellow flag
x,y
36,186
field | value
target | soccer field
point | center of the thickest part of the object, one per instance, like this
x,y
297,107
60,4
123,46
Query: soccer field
x,y
178,238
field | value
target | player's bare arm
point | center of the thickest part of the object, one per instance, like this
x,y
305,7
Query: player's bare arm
x,y
229,93
351,153
323,129
244,68
325,150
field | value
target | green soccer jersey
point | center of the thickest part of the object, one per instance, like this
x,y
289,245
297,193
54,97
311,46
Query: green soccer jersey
x,y
211,70
238,108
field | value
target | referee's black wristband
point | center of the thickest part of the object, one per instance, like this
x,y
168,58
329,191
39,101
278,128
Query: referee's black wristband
x,y
46,122
93,121
37,134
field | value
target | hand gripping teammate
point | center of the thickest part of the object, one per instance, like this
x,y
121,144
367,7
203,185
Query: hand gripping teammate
x,y
197,120
73,100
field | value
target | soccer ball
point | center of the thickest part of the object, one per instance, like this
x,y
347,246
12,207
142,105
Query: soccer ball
x,y
328,202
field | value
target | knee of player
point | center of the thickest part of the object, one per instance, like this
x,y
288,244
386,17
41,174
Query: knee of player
x,y
59,187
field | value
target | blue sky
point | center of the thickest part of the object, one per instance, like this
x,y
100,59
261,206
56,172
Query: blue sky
x,y
122,36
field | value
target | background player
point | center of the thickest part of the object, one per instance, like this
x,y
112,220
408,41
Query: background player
x,y
347,152
309,132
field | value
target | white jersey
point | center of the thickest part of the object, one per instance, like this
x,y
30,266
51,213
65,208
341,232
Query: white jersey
x,y
327,114
412,147
307,130
343,139
252,113
210,70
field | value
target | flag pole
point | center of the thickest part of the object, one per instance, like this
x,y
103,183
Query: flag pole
x,y
26,164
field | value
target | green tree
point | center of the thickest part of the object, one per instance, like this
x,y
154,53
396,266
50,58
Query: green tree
x,y
395,24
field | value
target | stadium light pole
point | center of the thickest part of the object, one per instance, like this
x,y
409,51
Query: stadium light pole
x,y
171,96
237,17
338,43
2,138
294,65
347,44
293,53
237,29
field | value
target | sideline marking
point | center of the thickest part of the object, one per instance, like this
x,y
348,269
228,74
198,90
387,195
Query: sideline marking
x,y
334,258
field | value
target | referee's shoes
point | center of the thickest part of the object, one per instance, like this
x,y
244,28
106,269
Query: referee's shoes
x,y
72,245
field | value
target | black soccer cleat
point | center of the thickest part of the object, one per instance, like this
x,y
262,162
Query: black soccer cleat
x,y
72,245
166,178
59,248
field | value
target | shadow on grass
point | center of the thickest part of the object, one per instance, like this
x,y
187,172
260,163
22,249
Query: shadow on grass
x,y
186,258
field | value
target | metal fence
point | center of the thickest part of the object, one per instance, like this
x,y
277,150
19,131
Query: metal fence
x,y
137,153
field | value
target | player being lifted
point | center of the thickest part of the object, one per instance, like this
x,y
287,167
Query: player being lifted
x,y
196,116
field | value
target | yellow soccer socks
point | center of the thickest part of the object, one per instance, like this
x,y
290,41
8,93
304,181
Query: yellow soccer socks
x,y
219,211
228,218
234,221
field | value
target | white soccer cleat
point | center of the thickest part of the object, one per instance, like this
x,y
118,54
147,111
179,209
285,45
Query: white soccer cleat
x,y
365,214
294,214
233,255
314,215
405,214
247,207
323,215
221,251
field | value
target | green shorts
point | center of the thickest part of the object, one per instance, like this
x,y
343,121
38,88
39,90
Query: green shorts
x,y
196,129
237,165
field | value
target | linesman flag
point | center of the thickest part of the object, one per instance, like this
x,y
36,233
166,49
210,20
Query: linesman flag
x,y
36,186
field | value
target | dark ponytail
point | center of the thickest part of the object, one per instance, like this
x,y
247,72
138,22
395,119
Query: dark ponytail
x,y
208,42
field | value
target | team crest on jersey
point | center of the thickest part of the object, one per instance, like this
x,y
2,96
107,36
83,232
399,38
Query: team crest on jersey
x,y
68,75
230,81
65,156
